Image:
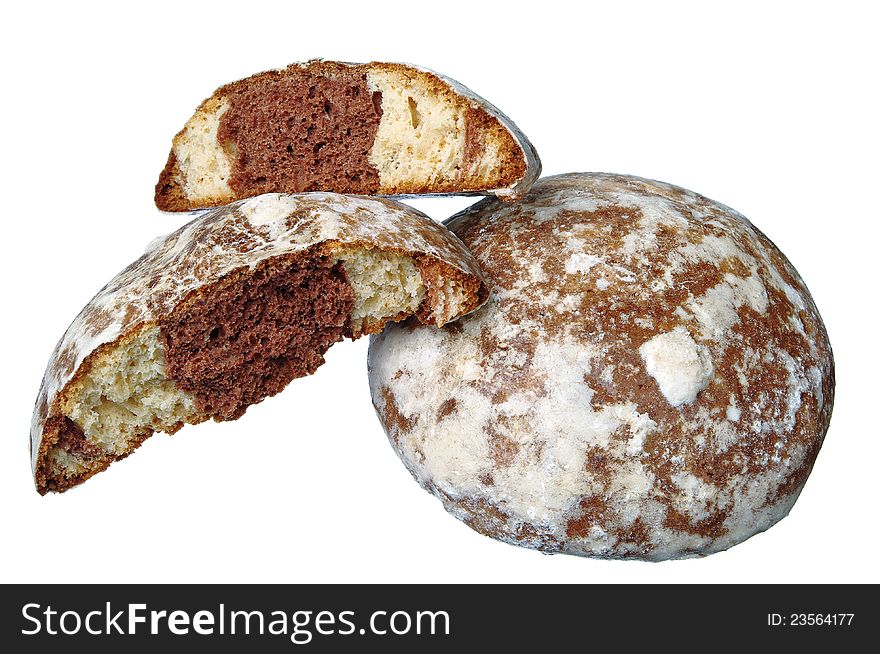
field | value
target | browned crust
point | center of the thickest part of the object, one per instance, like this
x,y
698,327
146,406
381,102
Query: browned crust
x,y
434,272
169,194
319,66
53,426
46,484
479,121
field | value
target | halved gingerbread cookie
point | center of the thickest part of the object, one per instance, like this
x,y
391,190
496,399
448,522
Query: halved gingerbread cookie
x,y
230,308
378,128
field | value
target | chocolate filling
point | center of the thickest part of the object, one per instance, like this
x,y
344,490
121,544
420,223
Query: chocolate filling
x,y
245,338
297,131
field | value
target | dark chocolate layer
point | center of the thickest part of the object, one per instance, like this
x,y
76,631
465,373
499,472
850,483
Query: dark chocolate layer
x,y
247,337
300,131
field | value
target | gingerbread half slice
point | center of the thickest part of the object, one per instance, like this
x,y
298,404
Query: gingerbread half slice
x,y
227,310
378,128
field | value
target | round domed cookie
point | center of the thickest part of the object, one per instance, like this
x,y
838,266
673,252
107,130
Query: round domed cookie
x,y
649,378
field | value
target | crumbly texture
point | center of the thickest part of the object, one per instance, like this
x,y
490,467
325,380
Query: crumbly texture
x,y
256,331
386,285
300,130
227,310
649,378
378,128
120,396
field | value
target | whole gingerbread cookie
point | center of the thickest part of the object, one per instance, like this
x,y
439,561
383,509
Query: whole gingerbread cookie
x,y
649,379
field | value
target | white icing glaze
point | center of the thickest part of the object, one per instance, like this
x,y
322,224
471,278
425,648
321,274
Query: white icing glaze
x,y
680,366
648,379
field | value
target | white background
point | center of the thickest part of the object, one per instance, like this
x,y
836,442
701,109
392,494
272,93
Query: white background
x,y
771,108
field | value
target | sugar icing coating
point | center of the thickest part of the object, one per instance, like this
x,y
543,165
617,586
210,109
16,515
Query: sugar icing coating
x,y
649,378
680,366
238,235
